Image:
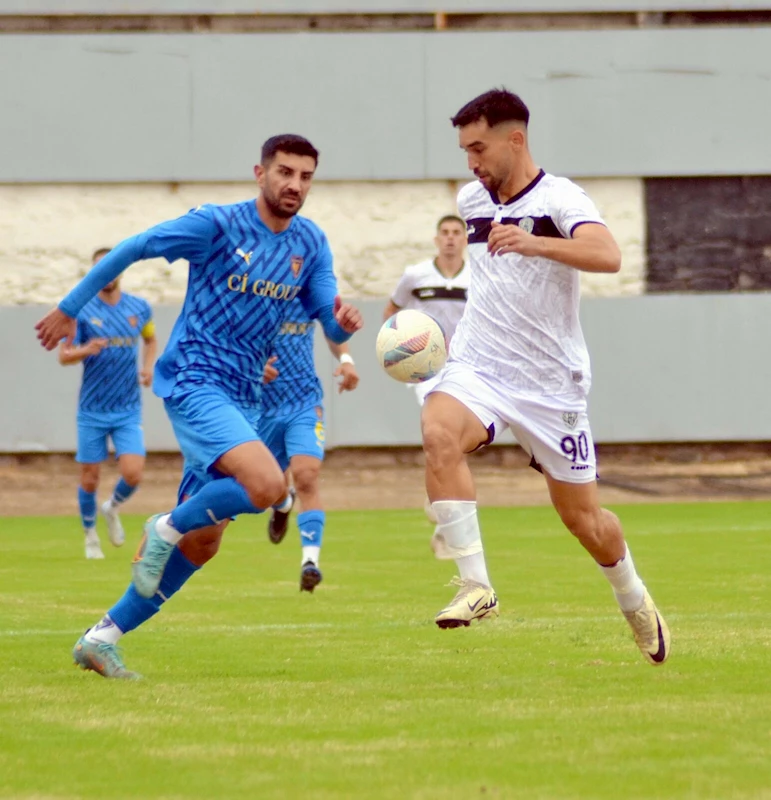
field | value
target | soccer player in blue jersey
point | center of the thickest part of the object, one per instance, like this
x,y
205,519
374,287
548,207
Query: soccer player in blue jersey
x,y
106,343
292,426
247,261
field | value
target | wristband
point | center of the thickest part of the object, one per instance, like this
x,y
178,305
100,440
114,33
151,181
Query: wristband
x,y
345,358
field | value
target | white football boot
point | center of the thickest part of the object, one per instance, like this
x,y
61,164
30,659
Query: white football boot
x,y
473,601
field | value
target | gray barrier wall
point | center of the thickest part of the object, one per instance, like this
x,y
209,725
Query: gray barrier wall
x,y
363,6
666,368
95,108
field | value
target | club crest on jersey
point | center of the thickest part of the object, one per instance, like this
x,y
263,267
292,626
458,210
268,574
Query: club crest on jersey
x,y
527,224
246,256
296,264
133,321
570,418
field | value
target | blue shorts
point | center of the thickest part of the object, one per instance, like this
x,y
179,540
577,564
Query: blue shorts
x,y
207,424
300,433
124,428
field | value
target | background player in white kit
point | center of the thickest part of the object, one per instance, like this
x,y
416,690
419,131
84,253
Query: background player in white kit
x,y
519,360
437,286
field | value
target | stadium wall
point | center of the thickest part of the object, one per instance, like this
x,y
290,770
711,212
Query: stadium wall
x,y
180,107
666,368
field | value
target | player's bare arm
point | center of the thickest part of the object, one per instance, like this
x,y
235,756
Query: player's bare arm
x,y
346,371
592,248
149,352
74,354
390,309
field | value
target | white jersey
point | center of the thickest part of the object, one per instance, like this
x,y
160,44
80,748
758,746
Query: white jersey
x,y
521,324
423,288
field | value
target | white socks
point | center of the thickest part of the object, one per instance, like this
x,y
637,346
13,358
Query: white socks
x,y
311,553
166,530
104,632
457,537
286,506
626,583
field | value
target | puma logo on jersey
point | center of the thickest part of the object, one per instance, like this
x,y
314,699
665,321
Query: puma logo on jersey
x,y
246,256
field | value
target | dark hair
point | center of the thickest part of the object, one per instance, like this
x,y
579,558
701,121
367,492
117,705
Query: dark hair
x,y
450,218
288,143
495,106
102,251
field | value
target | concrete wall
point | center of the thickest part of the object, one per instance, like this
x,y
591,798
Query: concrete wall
x,y
665,368
47,233
144,107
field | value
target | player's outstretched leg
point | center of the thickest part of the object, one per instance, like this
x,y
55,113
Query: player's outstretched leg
x,y
599,531
97,649
279,519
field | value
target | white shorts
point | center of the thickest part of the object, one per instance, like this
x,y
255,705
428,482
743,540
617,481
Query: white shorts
x,y
423,389
557,438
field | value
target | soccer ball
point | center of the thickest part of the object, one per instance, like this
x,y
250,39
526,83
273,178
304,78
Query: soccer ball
x,y
411,346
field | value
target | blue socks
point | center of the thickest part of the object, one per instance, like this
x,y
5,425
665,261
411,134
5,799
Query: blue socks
x,y
132,610
217,501
87,503
311,525
122,492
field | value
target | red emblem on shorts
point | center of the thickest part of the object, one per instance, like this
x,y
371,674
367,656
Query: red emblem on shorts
x,y
296,264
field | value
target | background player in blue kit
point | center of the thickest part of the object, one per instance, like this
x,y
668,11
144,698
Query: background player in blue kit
x,y
110,405
292,426
247,261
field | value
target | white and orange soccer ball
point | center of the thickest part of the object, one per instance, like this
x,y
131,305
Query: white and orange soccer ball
x,y
411,346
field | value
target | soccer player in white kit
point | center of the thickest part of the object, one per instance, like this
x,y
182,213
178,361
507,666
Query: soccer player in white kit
x,y
437,286
519,360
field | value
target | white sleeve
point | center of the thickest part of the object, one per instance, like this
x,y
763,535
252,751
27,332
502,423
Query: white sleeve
x,y
571,208
402,294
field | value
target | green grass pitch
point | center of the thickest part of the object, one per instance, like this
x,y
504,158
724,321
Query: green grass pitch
x,y
253,690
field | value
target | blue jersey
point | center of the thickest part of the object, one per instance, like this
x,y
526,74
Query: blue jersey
x,y
111,378
297,385
241,279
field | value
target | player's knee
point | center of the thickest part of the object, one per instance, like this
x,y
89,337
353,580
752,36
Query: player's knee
x,y
89,477
132,475
440,443
266,490
306,480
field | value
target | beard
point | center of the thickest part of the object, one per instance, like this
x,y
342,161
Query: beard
x,y
274,204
